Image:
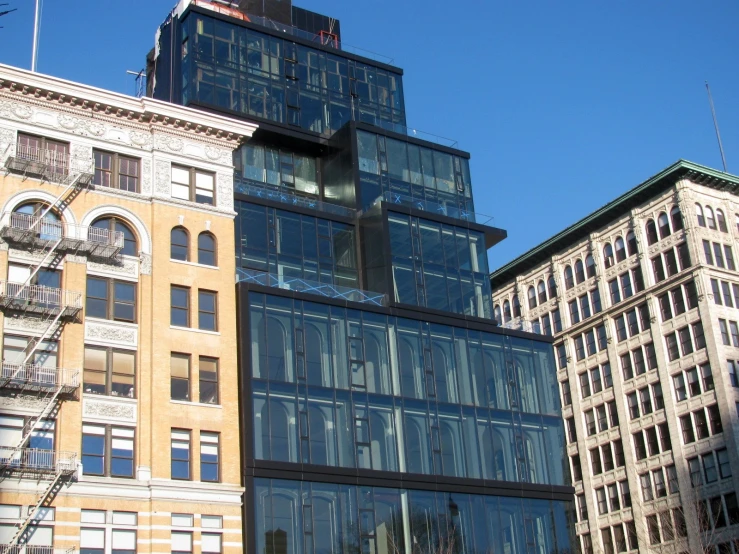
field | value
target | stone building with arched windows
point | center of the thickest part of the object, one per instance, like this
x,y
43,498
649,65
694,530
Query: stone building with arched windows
x,y
643,303
118,391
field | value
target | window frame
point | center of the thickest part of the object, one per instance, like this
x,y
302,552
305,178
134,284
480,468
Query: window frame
x,y
110,298
192,184
189,460
203,313
187,308
115,170
109,373
108,449
214,251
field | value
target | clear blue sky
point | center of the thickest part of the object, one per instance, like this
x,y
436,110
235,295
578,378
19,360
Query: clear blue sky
x,y
564,105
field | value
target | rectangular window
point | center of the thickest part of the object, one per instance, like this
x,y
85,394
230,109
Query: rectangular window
x,y
181,542
179,369
180,306
193,185
208,373
209,457
584,385
107,451
734,333
109,372
574,312
724,332
116,171
707,252
207,306
111,299
180,454
210,543
92,541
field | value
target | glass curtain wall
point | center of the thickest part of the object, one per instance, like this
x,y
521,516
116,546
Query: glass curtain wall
x,y
392,166
277,167
302,517
439,266
253,73
356,389
290,245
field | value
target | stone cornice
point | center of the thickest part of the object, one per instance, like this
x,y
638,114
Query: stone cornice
x,y
44,89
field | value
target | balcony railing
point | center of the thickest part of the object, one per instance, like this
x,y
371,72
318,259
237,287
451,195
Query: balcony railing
x,y
284,196
36,232
47,164
39,299
35,460
310,287
448,210
33,549
416,133
38,377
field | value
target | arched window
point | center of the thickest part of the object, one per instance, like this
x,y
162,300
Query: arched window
x,y
179,244
699,215
579,271
275,431
590,265
532,298
569,281
620,249
276,350
608,255
677,219
516,306
552,285
206,249
542,290
382,448
721,221
506,311
26,215
651,229
130,245
710,221
497,313
318,431
664,225
631,243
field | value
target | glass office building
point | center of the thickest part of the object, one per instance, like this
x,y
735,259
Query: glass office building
x,y
383,408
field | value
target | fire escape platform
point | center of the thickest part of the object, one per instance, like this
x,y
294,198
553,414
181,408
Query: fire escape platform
x,y
39,300
34,379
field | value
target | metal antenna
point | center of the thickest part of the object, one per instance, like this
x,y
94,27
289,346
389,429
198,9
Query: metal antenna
x,y
715,125
6,12
34,54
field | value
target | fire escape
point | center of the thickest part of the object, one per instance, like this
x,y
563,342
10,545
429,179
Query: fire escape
x,y
50,240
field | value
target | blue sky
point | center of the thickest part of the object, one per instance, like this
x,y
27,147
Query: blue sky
x,y
564,105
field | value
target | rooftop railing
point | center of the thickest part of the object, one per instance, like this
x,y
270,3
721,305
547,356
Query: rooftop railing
x,y
415,133
449,210
51,165
311,287
38,232
285,196
39,299
39,377
36,460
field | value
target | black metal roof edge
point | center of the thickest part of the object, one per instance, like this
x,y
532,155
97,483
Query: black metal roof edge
x,y
648,189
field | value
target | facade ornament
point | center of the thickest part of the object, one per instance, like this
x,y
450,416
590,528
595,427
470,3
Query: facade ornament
x,y
162,178
145,264
145,176
110,333
108,410
225,191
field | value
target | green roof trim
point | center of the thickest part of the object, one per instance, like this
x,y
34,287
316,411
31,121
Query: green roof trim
x,y
650,188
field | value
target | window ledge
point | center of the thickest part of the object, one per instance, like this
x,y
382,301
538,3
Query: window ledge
x,y
194,330
94,396
194,264
195,404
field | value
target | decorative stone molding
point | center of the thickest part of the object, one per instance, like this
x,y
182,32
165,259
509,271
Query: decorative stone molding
x,y
28,325
225,191
71,258
162,178
146,177
146,264
109,409
22,403
24,256
7,136
127,268
168,143
111,333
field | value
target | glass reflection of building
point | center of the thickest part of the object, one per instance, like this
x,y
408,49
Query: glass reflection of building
x,y
412,423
